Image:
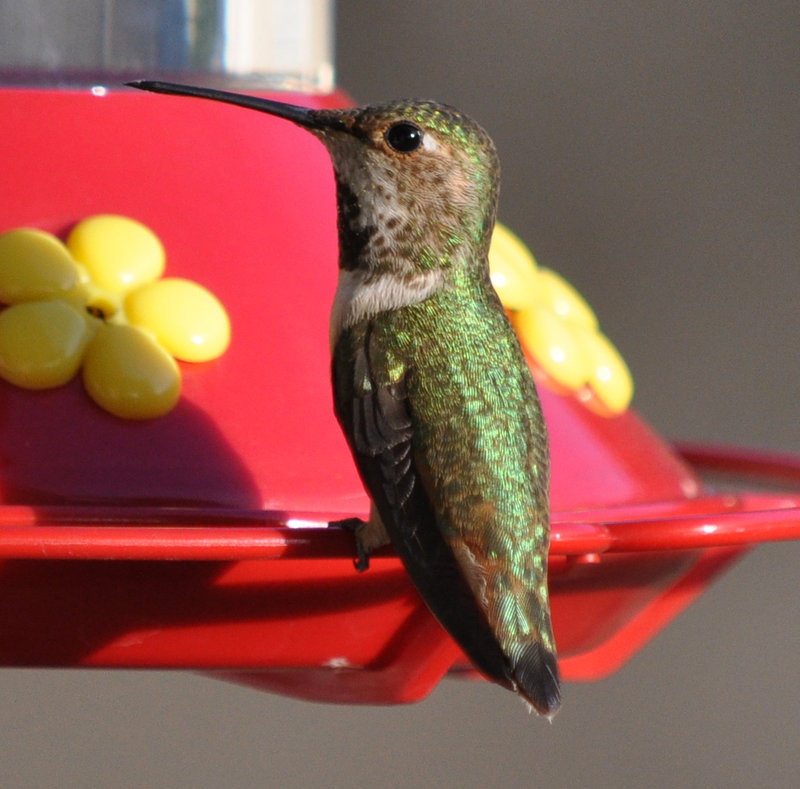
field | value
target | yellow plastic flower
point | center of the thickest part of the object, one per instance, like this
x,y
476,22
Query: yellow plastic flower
x,y
558,328
97,302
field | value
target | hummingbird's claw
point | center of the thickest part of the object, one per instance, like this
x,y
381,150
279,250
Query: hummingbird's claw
x,y
361,562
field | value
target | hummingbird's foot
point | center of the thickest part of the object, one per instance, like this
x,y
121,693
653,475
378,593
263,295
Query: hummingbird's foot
x,y
355,525
370,535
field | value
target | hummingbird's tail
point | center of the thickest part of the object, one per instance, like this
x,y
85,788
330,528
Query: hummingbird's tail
x,y
535,674
517,608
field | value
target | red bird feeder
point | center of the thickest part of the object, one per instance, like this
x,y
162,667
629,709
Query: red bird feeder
x,y
197,540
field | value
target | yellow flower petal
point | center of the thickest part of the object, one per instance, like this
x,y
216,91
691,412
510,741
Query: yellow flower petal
x,y
35,265
552,345
119,253
185,318
129,374
609,376
42,343
557,294
512,269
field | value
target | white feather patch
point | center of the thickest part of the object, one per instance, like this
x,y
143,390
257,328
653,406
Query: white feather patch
x,y
357,299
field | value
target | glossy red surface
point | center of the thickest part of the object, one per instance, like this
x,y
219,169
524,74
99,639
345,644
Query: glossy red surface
x,y
163,543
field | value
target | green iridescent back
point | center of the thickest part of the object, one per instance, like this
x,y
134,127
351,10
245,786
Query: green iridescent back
x,y
480,446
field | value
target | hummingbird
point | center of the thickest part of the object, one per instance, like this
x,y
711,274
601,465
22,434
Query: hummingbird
x,y
430,386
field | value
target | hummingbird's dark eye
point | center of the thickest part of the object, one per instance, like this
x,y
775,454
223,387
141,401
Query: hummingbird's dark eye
x,y
404,136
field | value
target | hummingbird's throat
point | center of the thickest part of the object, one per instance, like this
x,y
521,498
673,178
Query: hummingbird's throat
x,y
355,236
400,213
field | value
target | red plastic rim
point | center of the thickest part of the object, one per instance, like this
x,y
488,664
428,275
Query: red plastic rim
x,y
198,534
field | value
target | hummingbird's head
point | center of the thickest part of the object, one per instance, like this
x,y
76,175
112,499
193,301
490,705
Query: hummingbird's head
x,y
417,181
417,185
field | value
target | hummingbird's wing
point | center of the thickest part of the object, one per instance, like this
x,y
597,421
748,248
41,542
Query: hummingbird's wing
x,y
377,421
375,390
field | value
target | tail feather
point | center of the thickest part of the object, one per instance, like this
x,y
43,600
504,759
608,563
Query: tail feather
x,y
535,672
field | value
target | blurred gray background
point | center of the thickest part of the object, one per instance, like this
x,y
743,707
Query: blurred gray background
x,y
651,156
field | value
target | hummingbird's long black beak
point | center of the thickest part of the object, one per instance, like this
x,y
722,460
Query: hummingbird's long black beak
x,y
291,112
